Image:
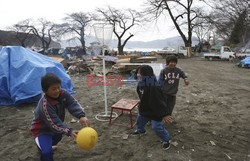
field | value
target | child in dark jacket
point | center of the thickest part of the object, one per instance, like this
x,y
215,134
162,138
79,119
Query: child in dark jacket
x,y
47,125
170,76
152,106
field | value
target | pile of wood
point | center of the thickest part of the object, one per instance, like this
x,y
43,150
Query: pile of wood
x,y
121,63
80,66
128,62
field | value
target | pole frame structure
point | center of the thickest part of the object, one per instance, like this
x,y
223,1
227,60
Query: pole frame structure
x,y
104,116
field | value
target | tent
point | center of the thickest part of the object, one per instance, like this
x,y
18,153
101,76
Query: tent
x,y
21,70
245,62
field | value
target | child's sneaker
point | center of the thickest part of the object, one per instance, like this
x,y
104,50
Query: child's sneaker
x,y
54,147
166,145
136,133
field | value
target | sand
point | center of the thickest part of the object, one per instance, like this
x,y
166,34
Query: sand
x,y
211,121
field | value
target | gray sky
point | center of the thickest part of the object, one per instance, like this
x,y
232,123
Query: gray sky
x,y
13,11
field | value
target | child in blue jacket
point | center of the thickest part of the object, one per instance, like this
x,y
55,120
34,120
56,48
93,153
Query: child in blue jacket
x,y
48,124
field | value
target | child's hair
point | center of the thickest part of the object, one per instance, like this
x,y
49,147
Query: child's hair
x,y
147,76
146,70
171,58
48,80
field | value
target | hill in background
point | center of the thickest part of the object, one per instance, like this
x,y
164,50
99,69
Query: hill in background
x,y
8,38
161,43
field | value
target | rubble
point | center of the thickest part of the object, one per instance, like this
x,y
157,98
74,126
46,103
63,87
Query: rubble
x,y
212,143
93,64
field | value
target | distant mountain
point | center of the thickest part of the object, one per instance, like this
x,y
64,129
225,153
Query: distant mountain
x,y
76,42
161,43
8,38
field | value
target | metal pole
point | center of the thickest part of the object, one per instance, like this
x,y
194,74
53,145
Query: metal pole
x,y
106,115
104,76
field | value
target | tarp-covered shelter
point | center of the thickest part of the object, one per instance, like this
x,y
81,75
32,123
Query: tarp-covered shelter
x,y
21,70
245,62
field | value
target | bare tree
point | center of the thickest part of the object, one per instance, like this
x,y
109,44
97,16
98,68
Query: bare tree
x,y
230,19
22,31
122,21
202,30
76,23
182,14
44,30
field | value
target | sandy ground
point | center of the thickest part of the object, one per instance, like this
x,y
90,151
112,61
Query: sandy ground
x,y
212,121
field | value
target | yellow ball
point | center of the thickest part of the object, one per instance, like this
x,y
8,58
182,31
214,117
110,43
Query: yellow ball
x,y
87,138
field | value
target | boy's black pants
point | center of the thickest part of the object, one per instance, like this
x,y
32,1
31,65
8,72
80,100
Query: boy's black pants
x,y
170,100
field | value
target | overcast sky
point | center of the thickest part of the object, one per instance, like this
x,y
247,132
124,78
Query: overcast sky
x,y
13,11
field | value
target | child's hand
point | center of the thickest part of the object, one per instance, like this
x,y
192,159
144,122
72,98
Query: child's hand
x,y
74,133
186,82
168,119
84,121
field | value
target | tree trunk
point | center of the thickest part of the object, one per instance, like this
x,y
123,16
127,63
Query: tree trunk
x,y
189,51
83,41
189,48
120,47
83,46
120,50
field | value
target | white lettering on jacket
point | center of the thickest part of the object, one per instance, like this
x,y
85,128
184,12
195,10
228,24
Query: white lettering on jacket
x,y
172,76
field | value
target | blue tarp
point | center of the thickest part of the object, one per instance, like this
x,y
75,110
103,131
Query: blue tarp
x,y
21,70
246,62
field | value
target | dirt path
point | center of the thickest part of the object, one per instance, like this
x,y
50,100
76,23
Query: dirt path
x,y
212,118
